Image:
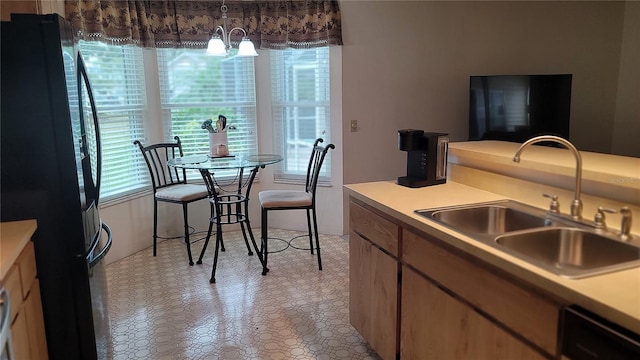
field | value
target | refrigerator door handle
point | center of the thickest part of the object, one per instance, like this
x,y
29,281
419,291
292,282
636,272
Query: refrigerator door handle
x,y
84,78
94,259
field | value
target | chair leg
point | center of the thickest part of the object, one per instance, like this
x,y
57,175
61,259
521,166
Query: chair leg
x,y
222,245
315,229
206,242
155,227
263,242
246,220
186,232
244,235
253,241
309,229
215,216
215,255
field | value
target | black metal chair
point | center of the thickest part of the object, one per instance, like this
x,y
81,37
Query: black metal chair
x,y
228,207
170,184
271,200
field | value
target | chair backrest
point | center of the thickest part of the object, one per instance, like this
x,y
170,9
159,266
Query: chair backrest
x,y
156,157
315,165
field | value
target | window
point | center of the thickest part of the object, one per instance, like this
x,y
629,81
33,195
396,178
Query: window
x,y
116,75
300,105
195,87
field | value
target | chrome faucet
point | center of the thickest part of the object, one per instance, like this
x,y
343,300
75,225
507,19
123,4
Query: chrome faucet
x,y
576,204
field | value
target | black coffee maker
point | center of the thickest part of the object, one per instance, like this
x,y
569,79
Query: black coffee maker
x,y
426,157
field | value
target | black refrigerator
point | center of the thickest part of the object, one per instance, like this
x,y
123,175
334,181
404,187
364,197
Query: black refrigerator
x,y
50,164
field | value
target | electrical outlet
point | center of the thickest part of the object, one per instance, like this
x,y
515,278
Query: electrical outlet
x,y
354,125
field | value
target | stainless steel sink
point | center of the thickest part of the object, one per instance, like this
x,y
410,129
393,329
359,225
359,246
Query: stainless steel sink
x,y
560,245
489,219
571,252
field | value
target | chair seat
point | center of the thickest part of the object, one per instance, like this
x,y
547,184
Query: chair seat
x,y
284,198
183,192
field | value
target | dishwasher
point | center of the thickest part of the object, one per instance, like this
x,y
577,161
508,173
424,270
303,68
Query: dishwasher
x,y
586,336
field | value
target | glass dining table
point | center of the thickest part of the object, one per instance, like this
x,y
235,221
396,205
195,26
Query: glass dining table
x,y
241,161
229,202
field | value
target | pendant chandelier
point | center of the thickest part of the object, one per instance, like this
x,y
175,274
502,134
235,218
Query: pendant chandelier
x,y
220,42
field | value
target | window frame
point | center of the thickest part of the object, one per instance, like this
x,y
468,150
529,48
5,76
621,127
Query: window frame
x,y
285,96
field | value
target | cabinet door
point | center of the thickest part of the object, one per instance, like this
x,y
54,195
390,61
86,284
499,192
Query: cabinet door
x,y
35,319
521,309
373,295
360,284
20,335
435,325
384,304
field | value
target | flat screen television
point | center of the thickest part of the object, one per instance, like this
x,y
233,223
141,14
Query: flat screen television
x,y
518,107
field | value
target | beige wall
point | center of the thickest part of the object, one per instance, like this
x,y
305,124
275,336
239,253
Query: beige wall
x,y
30,7
406,64
626,131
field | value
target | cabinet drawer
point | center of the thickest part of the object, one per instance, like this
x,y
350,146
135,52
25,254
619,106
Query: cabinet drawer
x,y
526,312
27,263
374,228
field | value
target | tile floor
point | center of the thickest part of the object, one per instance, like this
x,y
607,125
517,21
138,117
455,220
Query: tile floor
x,y
161,308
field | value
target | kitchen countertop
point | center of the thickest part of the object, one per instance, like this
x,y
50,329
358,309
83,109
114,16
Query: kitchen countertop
x,y
615,296
14,236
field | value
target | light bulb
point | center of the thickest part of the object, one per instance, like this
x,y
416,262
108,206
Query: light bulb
x,y
216,47
246,48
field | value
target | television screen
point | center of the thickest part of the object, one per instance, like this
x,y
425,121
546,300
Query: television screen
x,y
518,107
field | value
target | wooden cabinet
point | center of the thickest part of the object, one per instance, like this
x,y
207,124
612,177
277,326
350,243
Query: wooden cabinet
x,y
360,291
412,295
525,311
35,319
20,335
7,7
373,280
437,325
20,281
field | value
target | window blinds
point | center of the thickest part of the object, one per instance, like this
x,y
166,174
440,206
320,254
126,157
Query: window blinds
x,y
116,75
195,87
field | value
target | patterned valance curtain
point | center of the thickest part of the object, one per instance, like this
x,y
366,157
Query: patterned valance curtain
x,y
190,23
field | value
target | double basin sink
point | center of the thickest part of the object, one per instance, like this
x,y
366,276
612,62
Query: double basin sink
x,y
561,246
